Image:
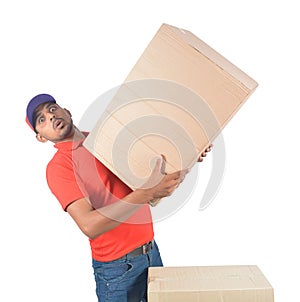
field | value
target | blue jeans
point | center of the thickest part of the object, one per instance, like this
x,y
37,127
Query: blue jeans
x,y
125,280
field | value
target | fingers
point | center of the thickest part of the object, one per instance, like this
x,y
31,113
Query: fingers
x,y
174,184
160,165
175,179
208,149
169,183
169,189
163,166
162,183
178,174
204,153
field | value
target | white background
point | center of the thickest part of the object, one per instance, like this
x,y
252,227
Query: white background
x,y
76,51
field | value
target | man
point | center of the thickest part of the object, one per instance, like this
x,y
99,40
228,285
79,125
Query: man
x,y
116,219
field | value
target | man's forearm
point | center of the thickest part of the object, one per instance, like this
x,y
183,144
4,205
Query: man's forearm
x,y
123,209
98,221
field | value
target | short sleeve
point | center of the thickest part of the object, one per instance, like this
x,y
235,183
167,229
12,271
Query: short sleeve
x,y
63,182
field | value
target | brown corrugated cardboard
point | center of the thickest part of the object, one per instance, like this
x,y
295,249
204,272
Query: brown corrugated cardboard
x,y
177,98
208,284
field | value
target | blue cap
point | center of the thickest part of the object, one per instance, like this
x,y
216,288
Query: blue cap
x,y
34,102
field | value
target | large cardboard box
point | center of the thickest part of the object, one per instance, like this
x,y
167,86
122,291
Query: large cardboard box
x,y
175,101
208,284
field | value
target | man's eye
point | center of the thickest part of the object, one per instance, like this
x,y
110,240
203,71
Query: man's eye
x,y
41,119
52,109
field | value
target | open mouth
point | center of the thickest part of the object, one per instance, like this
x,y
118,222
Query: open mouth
x,y
58,124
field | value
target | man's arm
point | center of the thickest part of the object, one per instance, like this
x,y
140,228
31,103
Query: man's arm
x,y
96,222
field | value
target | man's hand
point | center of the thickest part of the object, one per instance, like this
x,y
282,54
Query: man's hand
x,y
160,184
168,184
204,153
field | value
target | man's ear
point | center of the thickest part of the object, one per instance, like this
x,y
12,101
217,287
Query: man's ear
x,y
41,138
68,112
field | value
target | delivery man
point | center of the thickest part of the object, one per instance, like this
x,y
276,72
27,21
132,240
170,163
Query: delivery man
x,y
116,219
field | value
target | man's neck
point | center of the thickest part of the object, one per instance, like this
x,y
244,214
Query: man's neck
x,y
75,136
78,135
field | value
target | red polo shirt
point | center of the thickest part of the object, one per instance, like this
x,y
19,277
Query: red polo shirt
x,y
74,173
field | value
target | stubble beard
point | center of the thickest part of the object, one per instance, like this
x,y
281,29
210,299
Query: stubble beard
x,y
67,132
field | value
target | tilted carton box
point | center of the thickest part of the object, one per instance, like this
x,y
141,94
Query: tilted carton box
x,y
175,101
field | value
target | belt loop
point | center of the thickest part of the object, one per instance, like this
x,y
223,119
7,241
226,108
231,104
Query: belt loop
x,y
146,248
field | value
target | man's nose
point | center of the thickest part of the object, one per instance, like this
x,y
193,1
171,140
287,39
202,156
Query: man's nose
x,y
52,117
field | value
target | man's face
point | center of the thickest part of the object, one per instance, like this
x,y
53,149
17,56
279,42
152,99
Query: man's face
x,y
53,123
